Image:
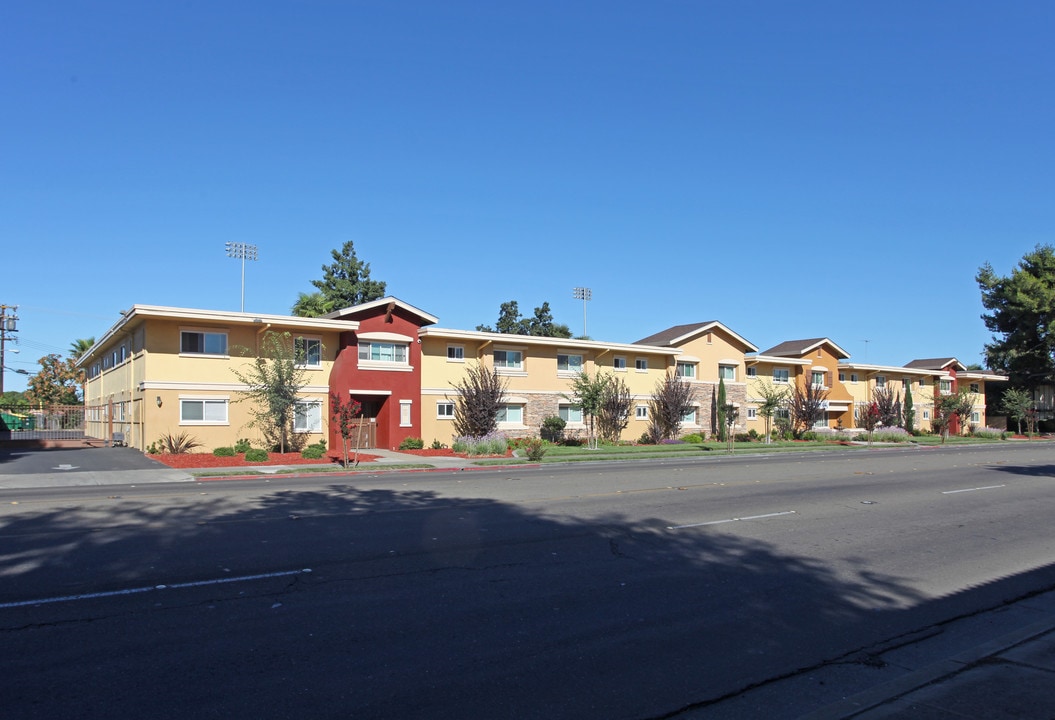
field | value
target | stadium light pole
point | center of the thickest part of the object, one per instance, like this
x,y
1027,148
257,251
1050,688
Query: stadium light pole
x,y
245,252
584,294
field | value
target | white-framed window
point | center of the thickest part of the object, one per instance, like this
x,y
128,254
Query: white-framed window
x,y
752,413
511,414
405,417
619,362
923,382
880,381
307,416
444,410
569,363
685,370
509,359
455,353
817,378
926,414
308,352
752,371
976,417
570,413
974,388
641,364
842,377
689,418
203,411
780,375
203,342
385,352
782,412
945,387
822,419
727,372
641,412
853,377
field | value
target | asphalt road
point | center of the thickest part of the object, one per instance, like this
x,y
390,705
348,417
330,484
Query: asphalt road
x,y
631,590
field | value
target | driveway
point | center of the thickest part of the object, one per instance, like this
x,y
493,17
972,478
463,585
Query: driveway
x,y
82,466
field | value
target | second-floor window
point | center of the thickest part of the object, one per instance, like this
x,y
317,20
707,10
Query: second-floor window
x,y
727,372
201,342
308,352
780,375
509,359
946,387
880,381
817,378
686,370
569,363
383,352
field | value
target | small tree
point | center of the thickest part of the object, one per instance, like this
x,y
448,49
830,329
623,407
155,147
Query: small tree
x,y
613,415
672,399
731,413
962,406
721,408
480,396
347,416
1017,403
274,379
588,393
773,398
869,418
805,405
909,414
888,405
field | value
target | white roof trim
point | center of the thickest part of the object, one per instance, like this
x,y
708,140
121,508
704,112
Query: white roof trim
x,y
385,336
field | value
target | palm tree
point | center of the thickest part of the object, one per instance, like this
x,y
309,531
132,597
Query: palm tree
x,y
80,346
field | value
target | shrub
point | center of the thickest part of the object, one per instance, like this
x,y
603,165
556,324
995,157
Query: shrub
x,y
535,449
490,444
743,437
437,445
989,433
891,434
646,439
178,444
810,436
412,443
694,438
754,435
255,455
224,452
153,449
312,452
553,428
242,445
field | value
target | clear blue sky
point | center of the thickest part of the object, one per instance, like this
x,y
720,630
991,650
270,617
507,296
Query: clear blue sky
x,y
793,170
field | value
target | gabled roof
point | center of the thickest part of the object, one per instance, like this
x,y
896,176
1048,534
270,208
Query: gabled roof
x,y
387,303
937,364
680,334
798,348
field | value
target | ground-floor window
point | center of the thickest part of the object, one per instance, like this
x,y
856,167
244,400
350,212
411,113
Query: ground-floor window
x,y
511,414
445,410
307,416
201,411
570,413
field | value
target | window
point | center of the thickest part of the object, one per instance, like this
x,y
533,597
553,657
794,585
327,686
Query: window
x,y
923,382
946,387
455,353
685,370
727,372
926,414
619,363
641,412
975,417
570,413
202,412
817,378
569,363
308,352
974,388
780,375
842,377
752,413
509,359
405,419
782,412
853,377
880,381
383,352
511,414
641,364
445,410
307,416
689,418
752,371
194,342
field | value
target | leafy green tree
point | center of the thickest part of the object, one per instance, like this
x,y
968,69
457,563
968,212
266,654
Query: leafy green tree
x,y
274,379
773,398
13,398
481,394
588,393
540,324
1021,316
58,382
80,346
1017,403
345,282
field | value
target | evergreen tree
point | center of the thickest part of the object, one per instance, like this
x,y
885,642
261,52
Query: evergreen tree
x,y
721,429
909,413
345,282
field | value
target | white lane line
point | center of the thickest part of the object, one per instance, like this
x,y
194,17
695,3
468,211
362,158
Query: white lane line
x,y
729,520
133,591
987,487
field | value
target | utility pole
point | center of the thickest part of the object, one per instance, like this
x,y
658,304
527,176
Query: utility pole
x,y
584,294
8,324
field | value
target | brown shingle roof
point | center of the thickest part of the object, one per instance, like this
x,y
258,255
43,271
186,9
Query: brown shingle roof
x,y
665,337
935,363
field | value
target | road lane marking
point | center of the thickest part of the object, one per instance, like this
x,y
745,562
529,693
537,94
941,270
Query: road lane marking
x,y
153,588
987,487
729,520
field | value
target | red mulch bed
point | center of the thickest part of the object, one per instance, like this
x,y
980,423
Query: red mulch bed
x,y
208,460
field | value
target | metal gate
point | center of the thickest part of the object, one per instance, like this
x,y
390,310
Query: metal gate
x,y
56,422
